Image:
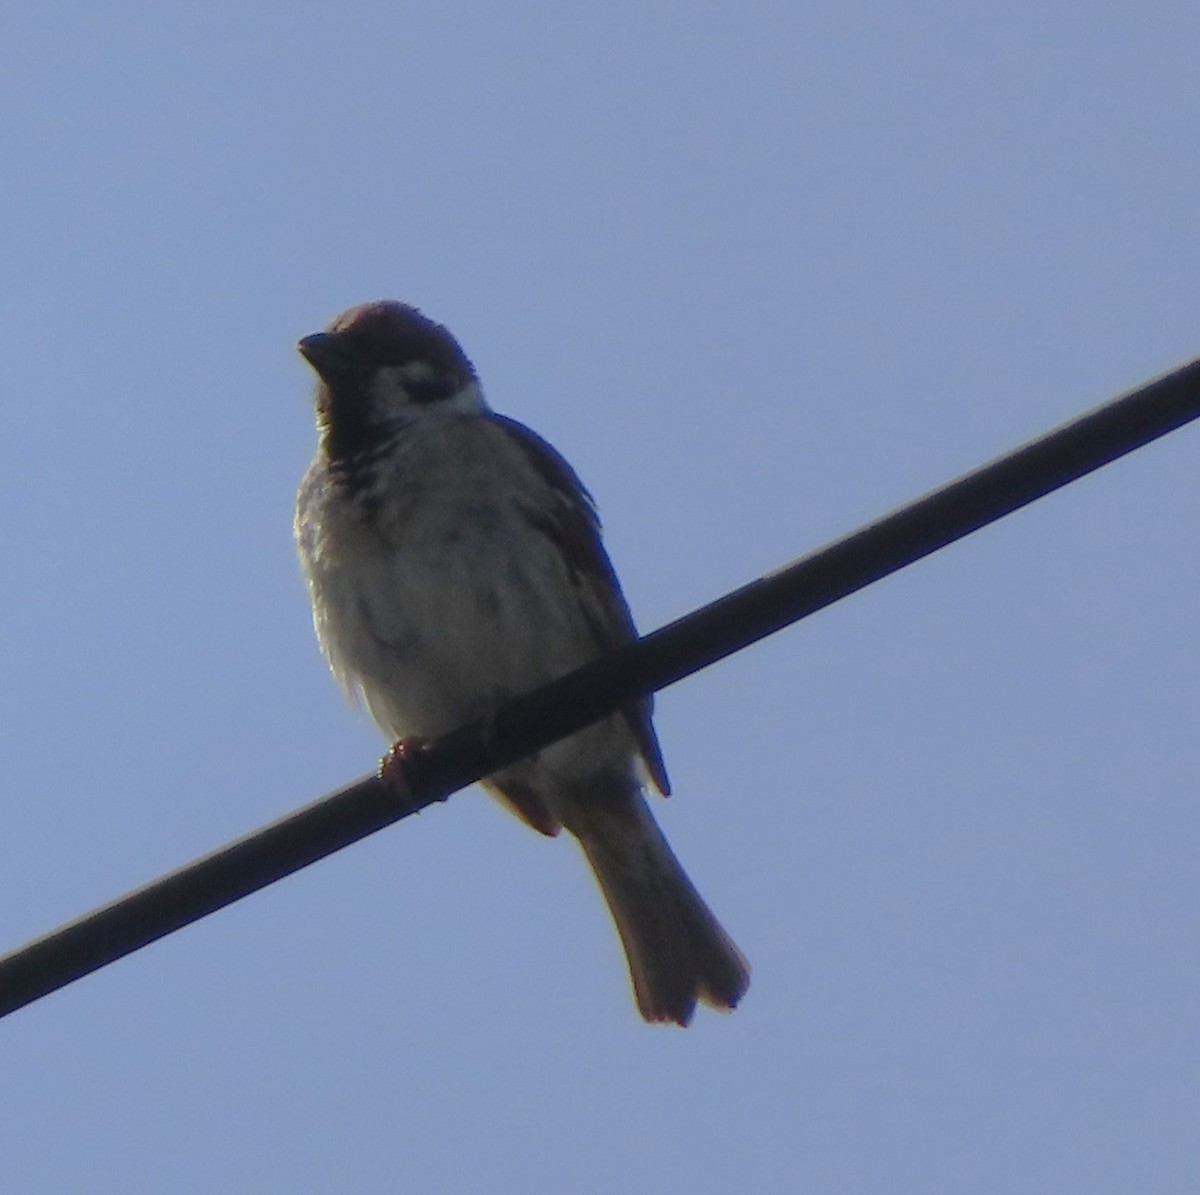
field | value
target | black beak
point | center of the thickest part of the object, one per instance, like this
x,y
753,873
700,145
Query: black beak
x,y
328,354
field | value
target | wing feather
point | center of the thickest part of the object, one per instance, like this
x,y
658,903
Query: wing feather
x,y
573,524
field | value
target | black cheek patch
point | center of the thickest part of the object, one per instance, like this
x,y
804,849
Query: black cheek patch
x,y
434,389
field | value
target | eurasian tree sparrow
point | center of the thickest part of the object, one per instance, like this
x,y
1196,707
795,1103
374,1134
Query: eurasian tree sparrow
x,y
454,561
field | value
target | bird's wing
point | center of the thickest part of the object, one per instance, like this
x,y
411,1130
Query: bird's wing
x,y
573,524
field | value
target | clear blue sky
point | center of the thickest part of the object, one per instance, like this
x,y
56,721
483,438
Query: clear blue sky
x,y
761,272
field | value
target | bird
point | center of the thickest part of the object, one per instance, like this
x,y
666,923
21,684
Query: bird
x,y
454,561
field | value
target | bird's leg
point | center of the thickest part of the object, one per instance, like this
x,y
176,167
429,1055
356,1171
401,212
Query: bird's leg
x,y
391,766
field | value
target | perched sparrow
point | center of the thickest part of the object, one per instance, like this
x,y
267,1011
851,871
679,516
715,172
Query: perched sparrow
x,y
454,561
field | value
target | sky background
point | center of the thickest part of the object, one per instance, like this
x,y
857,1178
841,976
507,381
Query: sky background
x,y
762,272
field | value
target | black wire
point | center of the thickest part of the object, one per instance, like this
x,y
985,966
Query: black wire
x,y
566,705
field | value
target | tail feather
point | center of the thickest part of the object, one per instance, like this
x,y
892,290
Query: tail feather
x,y
677,951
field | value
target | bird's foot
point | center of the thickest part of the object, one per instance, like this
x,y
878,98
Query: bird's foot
x,y
391,766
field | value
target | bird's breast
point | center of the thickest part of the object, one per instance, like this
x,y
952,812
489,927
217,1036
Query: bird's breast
x,y
445,602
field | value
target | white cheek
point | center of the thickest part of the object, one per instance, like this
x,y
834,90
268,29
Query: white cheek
x,y
468,401
391,387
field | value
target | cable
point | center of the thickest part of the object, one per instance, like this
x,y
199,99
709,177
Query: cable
x,y
564,706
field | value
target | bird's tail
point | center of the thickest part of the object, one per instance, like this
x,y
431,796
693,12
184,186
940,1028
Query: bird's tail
x,y
677,951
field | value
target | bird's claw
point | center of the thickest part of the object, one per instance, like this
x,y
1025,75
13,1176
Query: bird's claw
x,y
391,766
